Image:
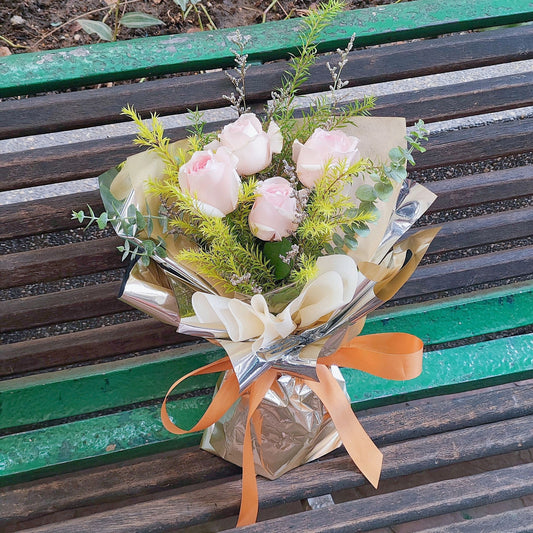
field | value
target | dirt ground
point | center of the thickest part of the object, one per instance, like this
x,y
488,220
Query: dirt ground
x,y
33,25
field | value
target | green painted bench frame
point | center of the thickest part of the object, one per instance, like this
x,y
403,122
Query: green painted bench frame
x,y
137,431
107,412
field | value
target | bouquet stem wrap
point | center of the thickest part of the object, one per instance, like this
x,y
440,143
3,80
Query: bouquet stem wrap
x,y
396,356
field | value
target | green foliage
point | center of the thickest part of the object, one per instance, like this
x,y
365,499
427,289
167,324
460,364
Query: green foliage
x,y
282,107
131,225
106,32
329,221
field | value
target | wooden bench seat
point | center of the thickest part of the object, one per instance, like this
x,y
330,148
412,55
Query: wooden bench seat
x,y
82,375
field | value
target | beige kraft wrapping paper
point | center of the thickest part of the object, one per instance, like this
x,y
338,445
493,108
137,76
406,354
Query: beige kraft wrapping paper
x,y
291,426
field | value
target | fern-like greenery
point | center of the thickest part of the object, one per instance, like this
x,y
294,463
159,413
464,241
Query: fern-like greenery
x,y
329,222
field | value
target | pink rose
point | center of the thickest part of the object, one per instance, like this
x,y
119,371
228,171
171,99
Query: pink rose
x,y
211,178
273,215
323,146
254,148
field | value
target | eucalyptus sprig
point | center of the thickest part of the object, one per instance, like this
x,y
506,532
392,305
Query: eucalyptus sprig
x,y
133,224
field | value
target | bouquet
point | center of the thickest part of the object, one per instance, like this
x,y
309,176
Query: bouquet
x,y
274,238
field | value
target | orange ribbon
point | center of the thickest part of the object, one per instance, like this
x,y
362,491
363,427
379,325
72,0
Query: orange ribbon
x,y
395,356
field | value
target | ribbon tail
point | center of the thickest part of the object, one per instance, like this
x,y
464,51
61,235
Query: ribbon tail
x,y
250,497
223,400
358,444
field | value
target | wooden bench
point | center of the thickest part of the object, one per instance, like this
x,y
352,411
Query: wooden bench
x,y
81,443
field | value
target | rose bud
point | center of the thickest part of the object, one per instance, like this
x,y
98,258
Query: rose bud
x,y
273,215
254,148
211,178
322,147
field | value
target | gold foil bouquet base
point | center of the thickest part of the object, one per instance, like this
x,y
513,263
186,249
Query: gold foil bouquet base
x,y
290,427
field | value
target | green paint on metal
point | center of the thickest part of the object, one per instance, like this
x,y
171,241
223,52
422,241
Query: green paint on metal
x,y
97,440
56,395
139,431
86,65
79,391
460,317
452,370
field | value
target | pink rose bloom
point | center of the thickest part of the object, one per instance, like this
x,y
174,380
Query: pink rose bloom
x,y
211,178
273,215
323,146
254,148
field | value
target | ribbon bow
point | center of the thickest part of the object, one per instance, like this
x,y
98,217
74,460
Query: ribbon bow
x,y
396,356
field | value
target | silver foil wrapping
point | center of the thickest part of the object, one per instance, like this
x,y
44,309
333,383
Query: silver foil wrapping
x,y
289,428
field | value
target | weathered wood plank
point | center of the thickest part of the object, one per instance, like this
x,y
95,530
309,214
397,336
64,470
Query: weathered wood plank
x,y
91,158
181,468
219,500
477,144
87,345
480,188
409,504
517,521
53,263
87,65
179,94
19,220
484,229
109,384
469,271
62,306
49,264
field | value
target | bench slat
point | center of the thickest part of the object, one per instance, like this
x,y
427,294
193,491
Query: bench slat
x,y
221,499
469,271
477,144
138,430
87,65
19,220
88,159
87,345
48,264
485,229
66,391
99,255
178,95
189,466
516,520
406,505
480,188
63,306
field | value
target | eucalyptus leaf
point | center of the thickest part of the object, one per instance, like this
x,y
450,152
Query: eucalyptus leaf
x,y
366,193
136,19
99,28
361,229
149,246
338,240
329,248
149,226
397,174
350,243
132,213
395,154
102,220
140,220
384,190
